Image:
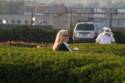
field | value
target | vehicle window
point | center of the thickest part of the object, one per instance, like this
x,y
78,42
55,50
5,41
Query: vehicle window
x,y
100,26
97,27
85,27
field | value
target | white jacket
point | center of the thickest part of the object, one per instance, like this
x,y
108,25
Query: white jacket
x,y
105,38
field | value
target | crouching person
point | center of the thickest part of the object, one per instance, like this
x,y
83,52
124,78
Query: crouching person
x,y
105,37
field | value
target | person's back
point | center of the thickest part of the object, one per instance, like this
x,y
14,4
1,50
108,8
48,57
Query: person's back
x,y
106,37
103,39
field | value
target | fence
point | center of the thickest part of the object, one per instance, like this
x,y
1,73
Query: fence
x,y
109,17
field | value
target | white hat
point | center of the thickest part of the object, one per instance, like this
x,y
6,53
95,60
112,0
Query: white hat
x,y
107,29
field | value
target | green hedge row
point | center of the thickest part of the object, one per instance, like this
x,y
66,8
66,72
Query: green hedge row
x,y
119,36
92,64
39,33
28,33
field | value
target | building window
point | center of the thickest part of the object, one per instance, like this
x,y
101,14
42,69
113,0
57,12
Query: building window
x,y
26,22
18,21
13,21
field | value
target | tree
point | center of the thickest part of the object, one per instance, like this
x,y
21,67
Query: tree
x,y
11,6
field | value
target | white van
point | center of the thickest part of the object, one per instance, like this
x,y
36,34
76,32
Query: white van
x,y
86,31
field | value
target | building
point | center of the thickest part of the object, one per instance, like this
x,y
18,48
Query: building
x,y
63,17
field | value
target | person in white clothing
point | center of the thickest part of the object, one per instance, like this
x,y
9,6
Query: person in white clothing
x,y
105,37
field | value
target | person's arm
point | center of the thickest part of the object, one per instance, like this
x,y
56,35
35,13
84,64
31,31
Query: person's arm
x,y
113,39
98,39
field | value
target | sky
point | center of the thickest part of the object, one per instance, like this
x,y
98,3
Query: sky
x,y
84,2
78,1
75,1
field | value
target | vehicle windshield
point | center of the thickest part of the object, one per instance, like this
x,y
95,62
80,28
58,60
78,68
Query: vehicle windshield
x,y
85,27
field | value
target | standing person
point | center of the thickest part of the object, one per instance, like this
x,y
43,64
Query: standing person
x,y
61,41
105,37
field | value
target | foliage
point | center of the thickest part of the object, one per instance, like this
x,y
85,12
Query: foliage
x,y
119,35
92,64
28,33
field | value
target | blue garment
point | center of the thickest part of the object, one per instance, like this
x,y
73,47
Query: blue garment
x,y
63,47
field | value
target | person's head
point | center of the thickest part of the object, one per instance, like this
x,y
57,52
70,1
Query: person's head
x,y
106,30
62,36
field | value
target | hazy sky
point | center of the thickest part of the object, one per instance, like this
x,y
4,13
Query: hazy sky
x,y
84,2
75,1
78,1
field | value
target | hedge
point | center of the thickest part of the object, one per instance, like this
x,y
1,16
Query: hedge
x,y
43,34
28,34
92,64
119,36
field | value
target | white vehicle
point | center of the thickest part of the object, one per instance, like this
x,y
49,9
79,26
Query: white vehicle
x,y
86,31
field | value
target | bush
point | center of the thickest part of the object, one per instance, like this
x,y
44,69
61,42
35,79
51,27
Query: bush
x,y
28,33
92,64
119,36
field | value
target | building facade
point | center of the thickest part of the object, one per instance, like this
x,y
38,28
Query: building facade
x,y
67,19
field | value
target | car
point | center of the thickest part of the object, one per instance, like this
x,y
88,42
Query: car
x,y
86,31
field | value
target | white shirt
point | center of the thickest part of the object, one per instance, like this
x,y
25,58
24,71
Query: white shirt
x,y
105,39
